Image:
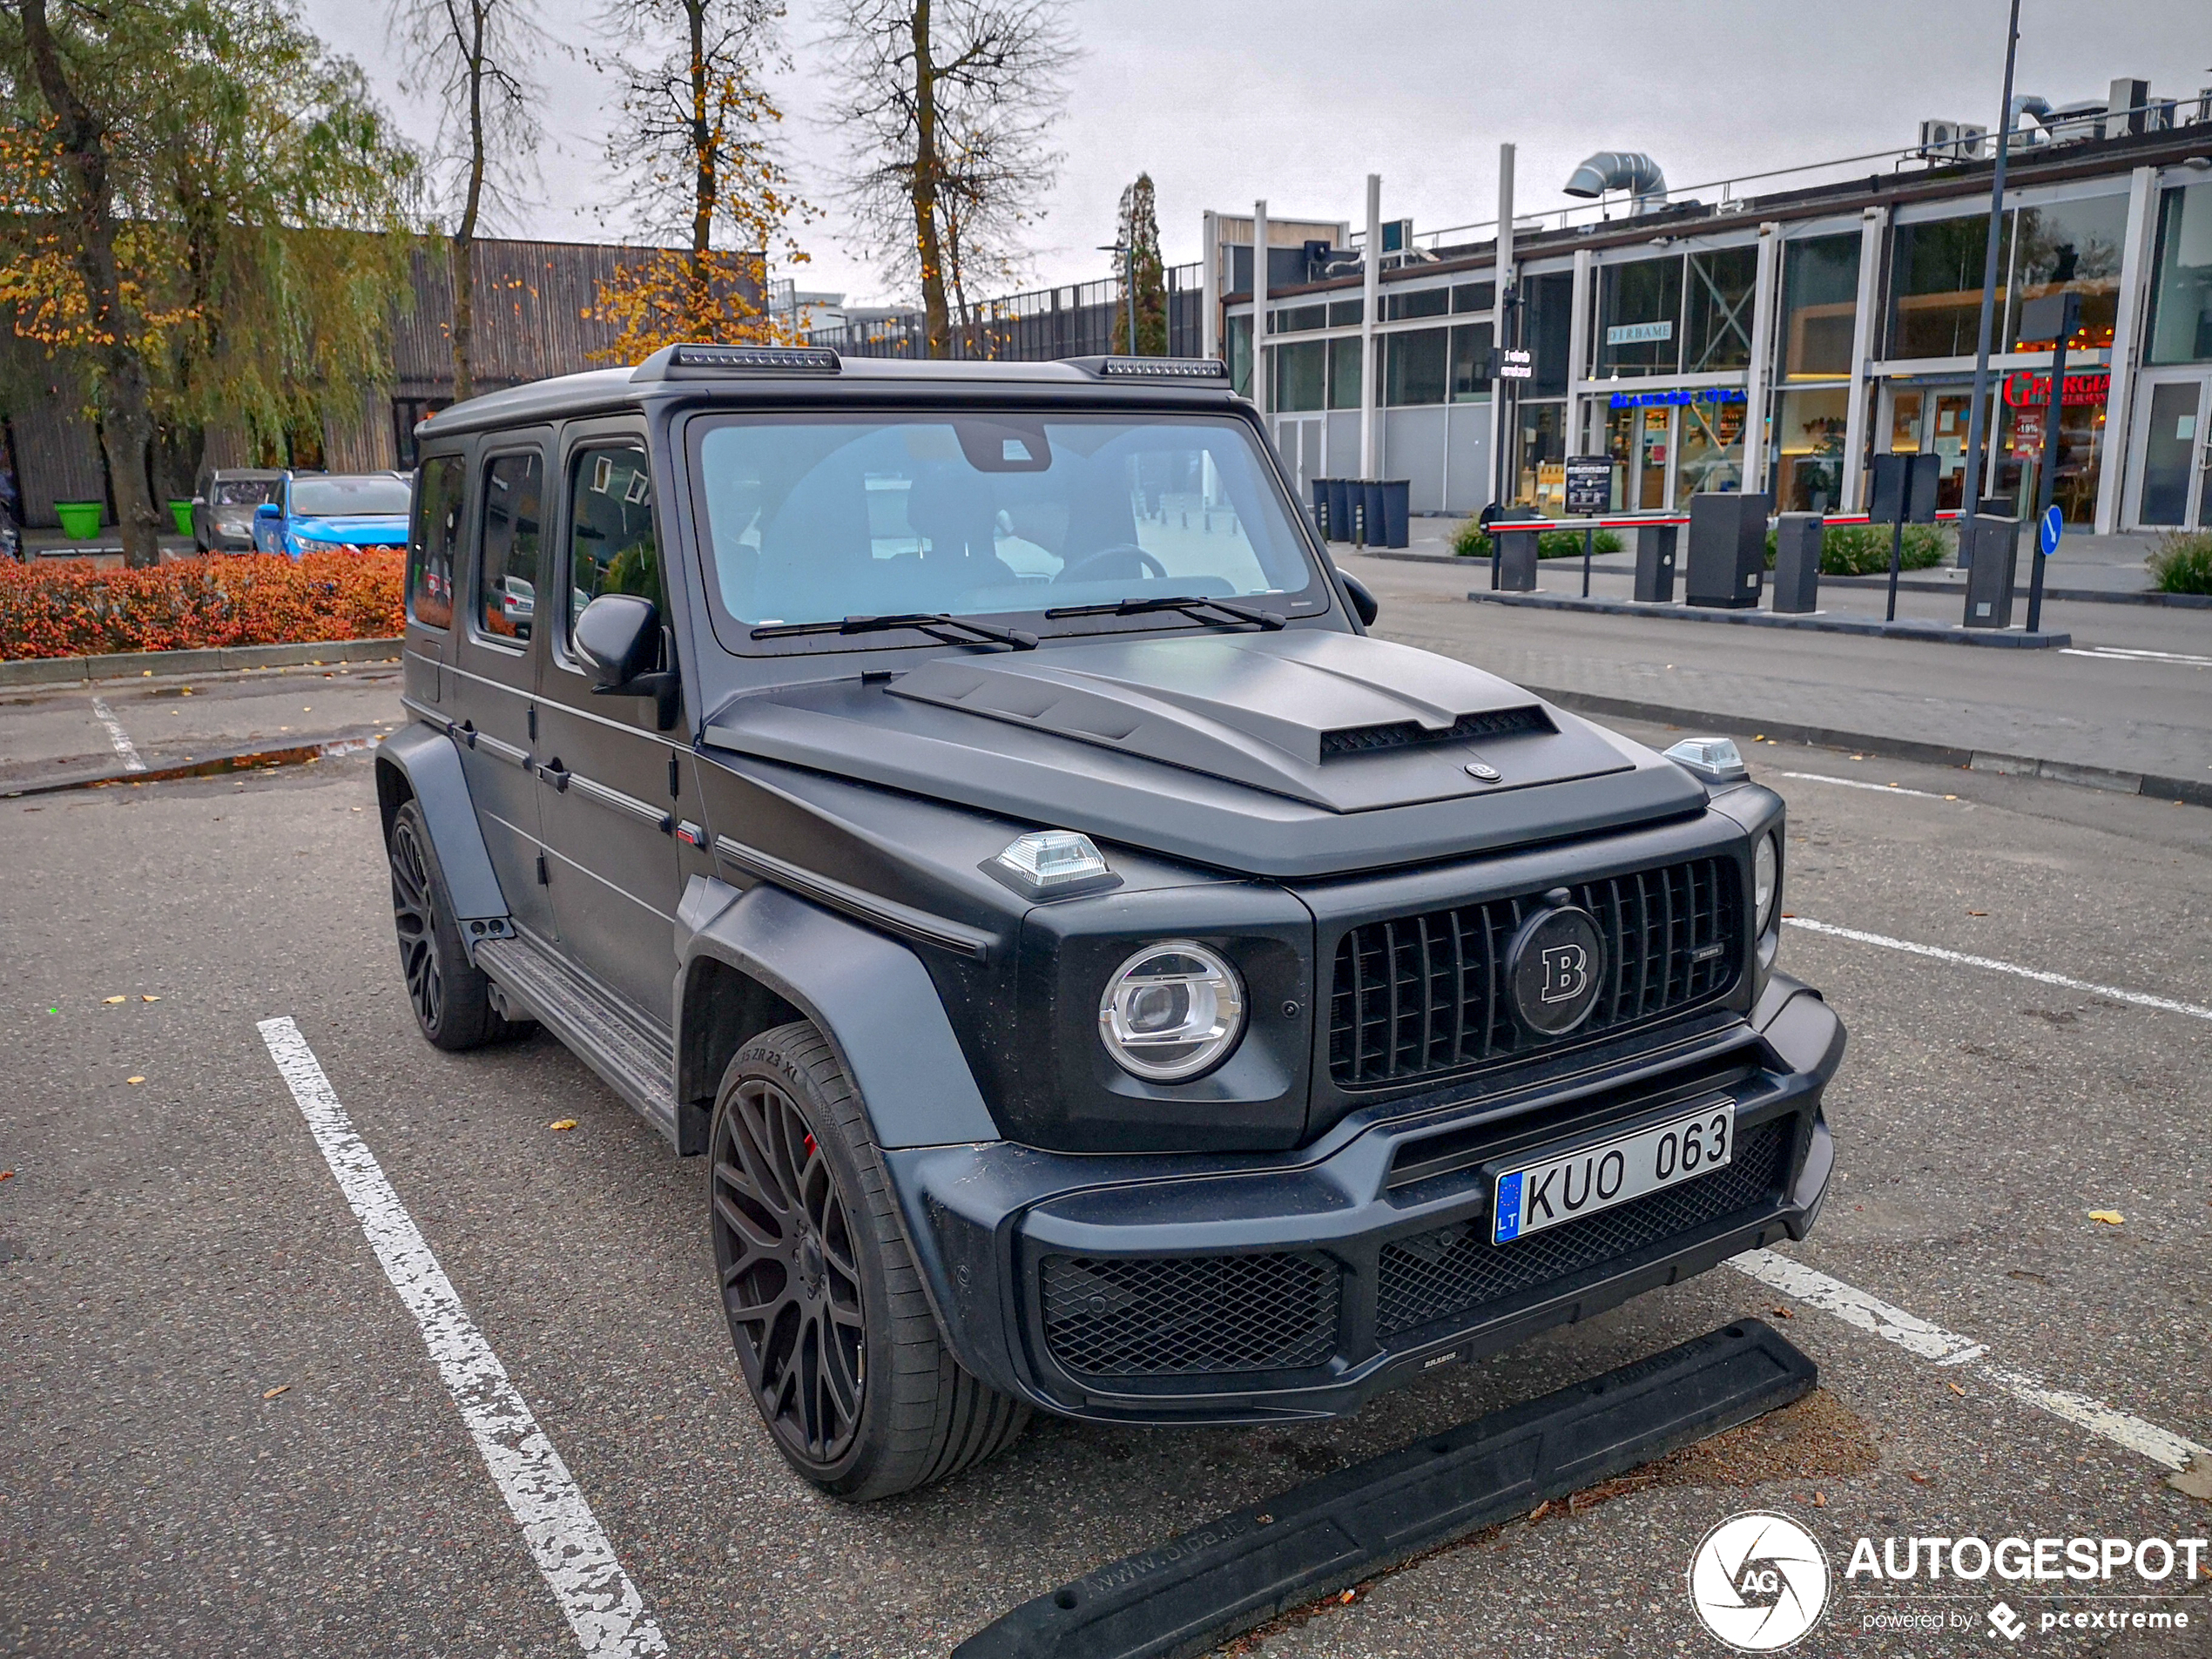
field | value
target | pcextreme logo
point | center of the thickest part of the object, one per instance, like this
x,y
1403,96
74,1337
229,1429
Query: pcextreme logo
x,y
1759,1582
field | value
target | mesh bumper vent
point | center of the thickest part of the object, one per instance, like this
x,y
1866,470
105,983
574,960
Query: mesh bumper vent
x,y
1152,1316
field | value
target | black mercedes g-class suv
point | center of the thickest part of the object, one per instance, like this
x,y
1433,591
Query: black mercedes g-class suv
x,y
965,803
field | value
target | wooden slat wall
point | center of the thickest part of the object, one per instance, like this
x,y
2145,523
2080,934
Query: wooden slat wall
x,y
530,301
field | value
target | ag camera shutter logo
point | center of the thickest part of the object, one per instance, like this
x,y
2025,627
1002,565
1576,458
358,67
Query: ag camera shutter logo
x,y
1759,1582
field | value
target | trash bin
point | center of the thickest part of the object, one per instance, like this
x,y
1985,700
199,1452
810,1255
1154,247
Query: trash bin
x,y
1727,550
80,519
1516,552
1390,512
1797,562
1989,547
1339,508
1655,563
180,516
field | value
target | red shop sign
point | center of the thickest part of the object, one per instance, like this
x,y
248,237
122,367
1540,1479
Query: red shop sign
x,y
2026,390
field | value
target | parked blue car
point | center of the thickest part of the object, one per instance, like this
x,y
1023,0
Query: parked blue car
x,y
331,512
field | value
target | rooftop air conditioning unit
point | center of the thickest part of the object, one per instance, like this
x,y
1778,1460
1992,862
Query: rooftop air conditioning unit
x,y
1952,140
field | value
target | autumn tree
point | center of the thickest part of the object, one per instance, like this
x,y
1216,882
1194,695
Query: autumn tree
x,y
1138,230
948,107
696,157
192,193
476,53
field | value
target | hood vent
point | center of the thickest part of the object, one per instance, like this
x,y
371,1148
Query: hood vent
x,y
1407,734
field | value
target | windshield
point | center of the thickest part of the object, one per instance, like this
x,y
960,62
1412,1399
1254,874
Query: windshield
x,y
244,492
816,520
339,497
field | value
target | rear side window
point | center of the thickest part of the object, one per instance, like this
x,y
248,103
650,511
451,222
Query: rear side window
x,y
507,571
433,541
611,536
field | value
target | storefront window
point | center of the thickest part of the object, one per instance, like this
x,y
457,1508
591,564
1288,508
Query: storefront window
x,y
2064,246
1934,418
2181,305
1809,439
2019,456
1637,440
1415,367
1935,286
1639,307
1712,450
1717,323
1239,345
1819,308
1543,471
1300,373
1471,362
1343,374
1547,328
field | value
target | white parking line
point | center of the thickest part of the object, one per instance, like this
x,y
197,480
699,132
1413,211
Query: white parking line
x,y
2131,654
602,1606
117,735
2141,998
1861,783
1942,1347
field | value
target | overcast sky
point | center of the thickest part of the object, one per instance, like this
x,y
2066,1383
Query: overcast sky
x,y
1297,100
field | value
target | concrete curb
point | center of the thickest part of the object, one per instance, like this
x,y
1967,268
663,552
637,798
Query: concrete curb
x,y
1928,632
265,758
136,664
2197,792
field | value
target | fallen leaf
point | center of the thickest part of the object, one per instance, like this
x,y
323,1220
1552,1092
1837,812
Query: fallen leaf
x,y
1957,1390
1540,1511
1918,1480
134,1080
1820,1500
7,1175
1783,1313
2110,1217
2195,1480
1265,1520
144,998
114,999
1976,913
279,1389
562,1123
1946,797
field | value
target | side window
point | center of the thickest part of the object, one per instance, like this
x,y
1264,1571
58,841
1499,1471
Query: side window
x,y
433,540
507,569
610,528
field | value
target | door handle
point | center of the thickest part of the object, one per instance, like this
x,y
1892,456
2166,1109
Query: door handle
x,y
555,774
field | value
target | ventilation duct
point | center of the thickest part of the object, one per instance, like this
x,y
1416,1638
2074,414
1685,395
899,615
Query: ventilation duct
x,y
1627,169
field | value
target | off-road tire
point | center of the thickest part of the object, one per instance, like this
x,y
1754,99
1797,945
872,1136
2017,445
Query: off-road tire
x,y
786,1116
449,993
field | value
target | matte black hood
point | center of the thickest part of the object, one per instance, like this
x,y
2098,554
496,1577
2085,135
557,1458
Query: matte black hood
x,y
1303,752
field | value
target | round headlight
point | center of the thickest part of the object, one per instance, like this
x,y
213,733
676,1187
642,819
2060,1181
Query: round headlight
x,y
1171,1012
1766,880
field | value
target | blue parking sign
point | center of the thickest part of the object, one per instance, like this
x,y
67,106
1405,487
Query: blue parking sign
x,y
2047,535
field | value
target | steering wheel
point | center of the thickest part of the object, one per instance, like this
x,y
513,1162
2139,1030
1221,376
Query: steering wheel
x,y
1123,559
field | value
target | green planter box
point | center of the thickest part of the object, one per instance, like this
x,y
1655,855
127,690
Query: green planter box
x,y
180,515
80,519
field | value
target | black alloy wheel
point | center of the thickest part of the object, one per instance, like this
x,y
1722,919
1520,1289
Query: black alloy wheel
x,y
840,1347
791,1283
449,994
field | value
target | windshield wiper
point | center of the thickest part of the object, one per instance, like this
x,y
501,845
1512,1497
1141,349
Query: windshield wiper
x,y
1190,604
937,623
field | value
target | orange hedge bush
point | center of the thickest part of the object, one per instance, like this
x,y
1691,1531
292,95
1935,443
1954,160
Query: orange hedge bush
x,y
68,607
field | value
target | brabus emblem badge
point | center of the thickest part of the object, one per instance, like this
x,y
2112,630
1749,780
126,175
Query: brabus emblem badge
x,y
1488,775
1556,967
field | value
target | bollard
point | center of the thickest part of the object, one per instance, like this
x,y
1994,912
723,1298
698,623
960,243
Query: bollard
x,y
1990,549
1727,550
1655,563
1321,521
1516,557
1796,563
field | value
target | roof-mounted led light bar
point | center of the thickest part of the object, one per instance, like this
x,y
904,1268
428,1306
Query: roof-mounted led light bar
x,y
1163,369
756,359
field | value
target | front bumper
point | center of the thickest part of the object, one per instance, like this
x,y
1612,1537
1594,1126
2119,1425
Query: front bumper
x,y
1223,1290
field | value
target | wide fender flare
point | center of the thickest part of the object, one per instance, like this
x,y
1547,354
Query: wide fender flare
x,y
867,993
430,763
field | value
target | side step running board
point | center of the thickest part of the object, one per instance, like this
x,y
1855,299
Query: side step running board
x,y
637,1064
1193,1592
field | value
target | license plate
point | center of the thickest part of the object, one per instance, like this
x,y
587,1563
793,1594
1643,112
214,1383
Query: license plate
x,y
1574,1184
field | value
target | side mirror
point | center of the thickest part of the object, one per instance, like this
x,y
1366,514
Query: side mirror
x,y
1362,601
268,509
619,634
199,501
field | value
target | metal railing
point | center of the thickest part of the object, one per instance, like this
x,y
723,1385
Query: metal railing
x,y
1079,319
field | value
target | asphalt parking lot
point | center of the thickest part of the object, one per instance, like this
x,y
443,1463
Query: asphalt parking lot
x,y
223,1435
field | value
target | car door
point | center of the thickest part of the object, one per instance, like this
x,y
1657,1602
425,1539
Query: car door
x,y
610,780
492,682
